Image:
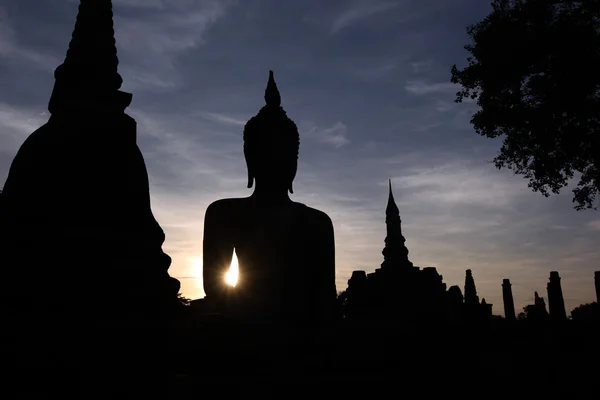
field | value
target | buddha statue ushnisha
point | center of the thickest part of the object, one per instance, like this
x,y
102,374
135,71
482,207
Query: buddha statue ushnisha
x,y
285,249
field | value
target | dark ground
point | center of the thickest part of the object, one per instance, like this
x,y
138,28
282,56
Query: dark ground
x,y
213,358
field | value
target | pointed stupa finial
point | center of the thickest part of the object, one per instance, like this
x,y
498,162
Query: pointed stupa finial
x,y
89,72
392,208
272,96
395,252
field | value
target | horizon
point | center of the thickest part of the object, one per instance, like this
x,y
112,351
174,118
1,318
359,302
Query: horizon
x,y
367,83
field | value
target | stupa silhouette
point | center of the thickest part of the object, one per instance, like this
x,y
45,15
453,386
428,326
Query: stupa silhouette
x,y
78,233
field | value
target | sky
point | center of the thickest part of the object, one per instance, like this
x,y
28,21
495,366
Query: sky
x,y
368,84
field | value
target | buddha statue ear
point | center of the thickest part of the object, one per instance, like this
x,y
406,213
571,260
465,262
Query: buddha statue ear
x,y
292,177
249,166
250,179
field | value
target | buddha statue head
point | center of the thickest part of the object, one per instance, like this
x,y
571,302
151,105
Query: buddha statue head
x,y
271,144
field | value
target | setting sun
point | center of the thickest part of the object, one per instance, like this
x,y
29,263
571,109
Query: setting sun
x,y
234,270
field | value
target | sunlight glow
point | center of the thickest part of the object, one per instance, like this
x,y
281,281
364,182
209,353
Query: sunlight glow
x,y
234,270
193,285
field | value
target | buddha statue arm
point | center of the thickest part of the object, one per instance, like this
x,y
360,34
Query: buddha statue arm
x,y
217,254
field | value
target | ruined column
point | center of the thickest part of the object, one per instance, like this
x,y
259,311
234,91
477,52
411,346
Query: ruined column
x,y
597,279
470,289
540,305
454,300
509,304
556,302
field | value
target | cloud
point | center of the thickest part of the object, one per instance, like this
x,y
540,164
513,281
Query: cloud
x,y
152,4
172,30
12,51
419,67
359,12
194,147
16,123
222,118
334,136
594,225
445,106
376,72
21,120
419,87
457,183
151,44
137,80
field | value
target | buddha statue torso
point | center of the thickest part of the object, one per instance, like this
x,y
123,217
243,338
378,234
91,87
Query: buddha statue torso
x,y
285,249
285,252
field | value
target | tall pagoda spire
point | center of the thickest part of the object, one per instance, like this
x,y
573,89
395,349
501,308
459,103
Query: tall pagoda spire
x,y
470,289
88,77
395,252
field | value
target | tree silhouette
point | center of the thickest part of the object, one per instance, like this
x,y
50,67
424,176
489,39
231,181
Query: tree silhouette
x,y
589,312
527,313
342,303
533,69
532,313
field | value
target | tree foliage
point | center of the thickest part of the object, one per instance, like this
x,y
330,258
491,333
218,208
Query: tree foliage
x,y
589,312
532,313
182,299
342,303
534,71
529,313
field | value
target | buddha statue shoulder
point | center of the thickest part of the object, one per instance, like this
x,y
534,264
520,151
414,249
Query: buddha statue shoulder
x,y
285,249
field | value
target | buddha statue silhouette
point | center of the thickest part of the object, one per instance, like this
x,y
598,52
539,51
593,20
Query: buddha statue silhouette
x,y
285,249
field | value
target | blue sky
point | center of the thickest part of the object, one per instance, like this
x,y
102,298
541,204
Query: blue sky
x,y
367,83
